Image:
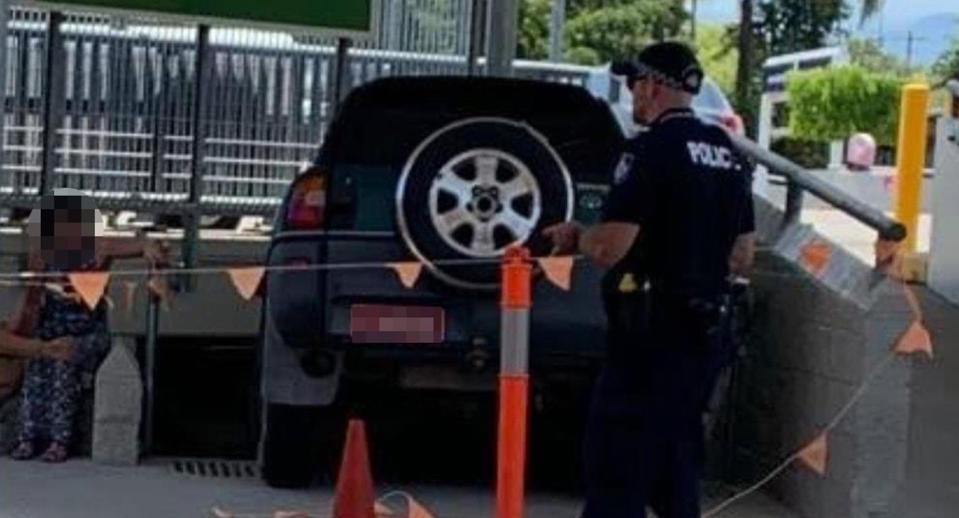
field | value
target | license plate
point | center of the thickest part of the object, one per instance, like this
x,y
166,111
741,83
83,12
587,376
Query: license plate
x,y
378,324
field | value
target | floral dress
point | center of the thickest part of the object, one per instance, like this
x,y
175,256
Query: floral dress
x,y
51,388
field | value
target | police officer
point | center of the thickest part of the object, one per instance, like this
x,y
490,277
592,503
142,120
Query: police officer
x,y
678,223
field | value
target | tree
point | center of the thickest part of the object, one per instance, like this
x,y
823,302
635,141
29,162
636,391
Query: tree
x,y
718,55
832,103
622,30
745,87
770,27
785,26
869,56
946,65
868,8
532,42
598,31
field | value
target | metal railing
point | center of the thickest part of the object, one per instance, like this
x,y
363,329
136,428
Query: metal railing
x,y
799,180
124,103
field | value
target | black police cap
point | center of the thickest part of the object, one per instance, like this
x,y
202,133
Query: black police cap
x,y
670,62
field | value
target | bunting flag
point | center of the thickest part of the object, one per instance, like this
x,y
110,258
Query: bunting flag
x,y
815,255
558,270
408,272
381,510
247,280
90,286
915,339
814,455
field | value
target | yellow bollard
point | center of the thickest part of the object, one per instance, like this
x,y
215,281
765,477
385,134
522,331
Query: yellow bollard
x,y
911,159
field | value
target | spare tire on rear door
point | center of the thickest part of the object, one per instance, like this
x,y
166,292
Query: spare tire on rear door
x,y
475,187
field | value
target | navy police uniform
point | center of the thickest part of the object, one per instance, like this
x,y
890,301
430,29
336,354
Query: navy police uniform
x,y
682,183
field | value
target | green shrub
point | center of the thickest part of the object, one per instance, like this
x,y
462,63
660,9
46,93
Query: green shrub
x,y
833,103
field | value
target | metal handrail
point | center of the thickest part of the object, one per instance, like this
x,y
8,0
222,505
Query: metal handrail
x,y
799,180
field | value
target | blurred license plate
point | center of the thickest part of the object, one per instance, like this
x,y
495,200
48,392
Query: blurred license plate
x,y
396,324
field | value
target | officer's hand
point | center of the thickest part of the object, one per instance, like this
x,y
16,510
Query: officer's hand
x,y
565,237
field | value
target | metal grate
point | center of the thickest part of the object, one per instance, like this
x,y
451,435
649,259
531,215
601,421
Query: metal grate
x,y
214,468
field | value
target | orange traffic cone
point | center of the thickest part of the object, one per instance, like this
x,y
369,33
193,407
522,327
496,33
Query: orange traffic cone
x,y
354,496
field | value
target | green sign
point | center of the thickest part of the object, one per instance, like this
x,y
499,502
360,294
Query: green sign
x,y
339,15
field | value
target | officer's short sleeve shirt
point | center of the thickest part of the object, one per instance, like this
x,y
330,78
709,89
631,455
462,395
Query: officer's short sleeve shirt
x,y
690,193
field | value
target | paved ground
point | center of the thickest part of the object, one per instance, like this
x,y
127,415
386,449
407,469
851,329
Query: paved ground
x,y
932,475
80,489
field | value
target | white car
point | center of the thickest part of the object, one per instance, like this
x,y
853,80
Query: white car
x,y
710,103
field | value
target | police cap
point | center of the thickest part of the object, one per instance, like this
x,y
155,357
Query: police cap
x,y
671,63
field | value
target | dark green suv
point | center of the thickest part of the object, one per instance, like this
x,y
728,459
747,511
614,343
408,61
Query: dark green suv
x,y
448,172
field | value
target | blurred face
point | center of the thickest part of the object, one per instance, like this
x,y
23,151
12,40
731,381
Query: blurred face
x,y
64,230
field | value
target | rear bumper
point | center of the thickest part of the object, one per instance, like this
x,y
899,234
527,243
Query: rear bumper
x,y
311,310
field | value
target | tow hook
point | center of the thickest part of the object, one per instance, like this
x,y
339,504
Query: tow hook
x,y
478,358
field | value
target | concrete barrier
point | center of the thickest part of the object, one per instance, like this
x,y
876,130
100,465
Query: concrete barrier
x,y
815,339
118,407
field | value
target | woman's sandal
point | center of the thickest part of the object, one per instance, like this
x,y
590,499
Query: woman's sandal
x,y
55,453
23,451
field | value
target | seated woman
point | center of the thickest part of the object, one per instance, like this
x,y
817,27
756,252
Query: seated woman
x,y
14,351
51,385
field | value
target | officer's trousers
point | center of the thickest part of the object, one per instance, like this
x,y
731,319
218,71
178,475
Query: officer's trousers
x,y
644,438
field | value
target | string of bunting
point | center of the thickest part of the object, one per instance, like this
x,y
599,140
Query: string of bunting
x,y
814,256
814,455
413,509
91,286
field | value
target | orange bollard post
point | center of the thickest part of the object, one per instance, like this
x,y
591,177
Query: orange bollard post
x,y
513,383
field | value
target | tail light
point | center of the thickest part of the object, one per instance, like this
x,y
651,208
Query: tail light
x,y
733,123
307,207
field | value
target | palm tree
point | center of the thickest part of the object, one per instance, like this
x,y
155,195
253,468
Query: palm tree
x,y
869,8
745,44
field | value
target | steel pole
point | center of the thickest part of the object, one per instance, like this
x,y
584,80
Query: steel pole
x,y
191,228
52,100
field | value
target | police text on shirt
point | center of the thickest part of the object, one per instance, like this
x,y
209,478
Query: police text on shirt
x,y
719,157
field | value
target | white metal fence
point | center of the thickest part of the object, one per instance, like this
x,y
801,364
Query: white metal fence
x,y
126,114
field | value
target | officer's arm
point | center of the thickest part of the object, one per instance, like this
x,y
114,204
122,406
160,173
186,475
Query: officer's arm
x,y
608,243
744,248
741,257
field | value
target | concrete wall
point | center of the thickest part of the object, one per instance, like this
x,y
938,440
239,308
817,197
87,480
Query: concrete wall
x,y
814,340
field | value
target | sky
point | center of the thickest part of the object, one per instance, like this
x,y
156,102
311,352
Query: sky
x,y
898,17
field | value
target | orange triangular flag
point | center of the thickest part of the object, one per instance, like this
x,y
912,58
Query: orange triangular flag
x,y
407,272
915,339
247,280
815,254
558,270
90,286
814,455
